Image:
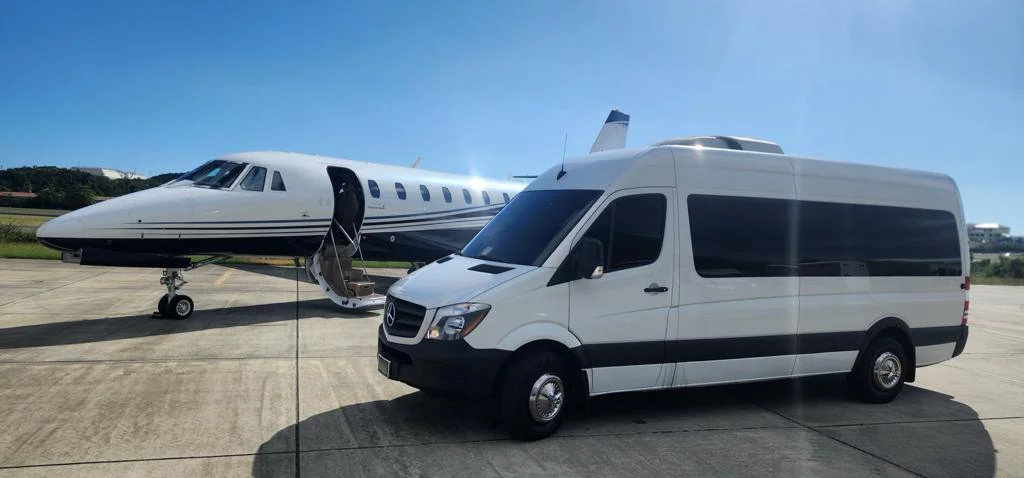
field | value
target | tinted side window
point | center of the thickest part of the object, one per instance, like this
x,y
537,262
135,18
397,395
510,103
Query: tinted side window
x,y
753,237
374,189
838,239
505,195
487,198
447,194
424,192
741,237
277,184
400,190
632,229
255,179
467,196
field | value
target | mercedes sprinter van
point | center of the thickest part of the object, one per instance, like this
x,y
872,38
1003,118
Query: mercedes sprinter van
x,y
693,262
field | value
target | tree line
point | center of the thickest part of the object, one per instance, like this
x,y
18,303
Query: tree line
x,y
61,188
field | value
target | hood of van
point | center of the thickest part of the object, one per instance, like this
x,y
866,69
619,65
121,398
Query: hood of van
x,y
453,280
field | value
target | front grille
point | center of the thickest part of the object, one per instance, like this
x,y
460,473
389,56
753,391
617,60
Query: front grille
x,y
408,317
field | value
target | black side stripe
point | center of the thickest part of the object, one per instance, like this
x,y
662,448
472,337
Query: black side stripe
x,y
468,215
238,228
434,224
324,220
472,208
701,350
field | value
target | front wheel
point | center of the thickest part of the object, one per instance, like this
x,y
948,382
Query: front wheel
x,y
180,307
534,395
881,372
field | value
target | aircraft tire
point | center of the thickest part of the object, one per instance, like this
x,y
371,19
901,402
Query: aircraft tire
x,y
180,307
161,306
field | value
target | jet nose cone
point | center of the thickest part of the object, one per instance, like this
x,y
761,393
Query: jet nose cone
x,y
57,232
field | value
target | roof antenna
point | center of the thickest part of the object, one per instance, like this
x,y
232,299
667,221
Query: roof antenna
x,y
561,172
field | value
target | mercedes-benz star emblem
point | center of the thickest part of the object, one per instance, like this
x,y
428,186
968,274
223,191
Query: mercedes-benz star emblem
x,y
389,314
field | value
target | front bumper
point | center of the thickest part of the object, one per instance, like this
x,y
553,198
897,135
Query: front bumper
x,y
453,368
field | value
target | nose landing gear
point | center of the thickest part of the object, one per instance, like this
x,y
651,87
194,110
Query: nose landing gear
x,y
172,305
179,306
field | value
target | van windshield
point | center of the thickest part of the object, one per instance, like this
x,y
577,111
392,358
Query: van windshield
x,y
217,174
529,228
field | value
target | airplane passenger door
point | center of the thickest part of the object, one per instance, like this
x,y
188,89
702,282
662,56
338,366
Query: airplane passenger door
x,y
622,317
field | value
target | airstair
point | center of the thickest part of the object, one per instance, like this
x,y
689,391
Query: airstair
x,y
333,269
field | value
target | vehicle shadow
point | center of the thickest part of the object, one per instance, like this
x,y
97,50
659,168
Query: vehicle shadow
x,y
814,420
135,326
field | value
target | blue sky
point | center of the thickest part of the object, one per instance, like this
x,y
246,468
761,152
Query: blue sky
x,y
487,88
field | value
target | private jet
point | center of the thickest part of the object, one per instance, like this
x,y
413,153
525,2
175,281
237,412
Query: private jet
x,y
329,211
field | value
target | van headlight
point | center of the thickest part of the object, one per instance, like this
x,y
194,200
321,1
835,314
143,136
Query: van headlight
x,y
454,322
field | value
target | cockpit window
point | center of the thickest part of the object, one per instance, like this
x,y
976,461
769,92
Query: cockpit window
x,y
218,173
255,180
277,184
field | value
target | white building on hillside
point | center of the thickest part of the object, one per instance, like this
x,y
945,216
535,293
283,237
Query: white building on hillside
x,y
110,173
987,233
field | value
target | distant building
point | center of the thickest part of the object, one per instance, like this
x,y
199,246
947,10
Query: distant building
x,y
987,233
110,173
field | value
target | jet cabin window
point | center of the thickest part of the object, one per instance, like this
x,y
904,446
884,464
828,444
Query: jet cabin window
x,y
425,193
255,179
277,184
505,195
218,173
467,196
374,189
487,199
631,229
447,194
400,190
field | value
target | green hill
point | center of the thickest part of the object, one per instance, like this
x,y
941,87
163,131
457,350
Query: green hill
x,y
62,188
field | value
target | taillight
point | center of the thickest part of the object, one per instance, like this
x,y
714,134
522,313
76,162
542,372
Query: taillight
x,y
967,300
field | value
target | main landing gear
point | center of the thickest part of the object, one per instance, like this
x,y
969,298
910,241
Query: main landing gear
x,y
179,306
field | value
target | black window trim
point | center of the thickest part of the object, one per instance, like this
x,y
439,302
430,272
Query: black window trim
x,y
424,193
447,193
467,196
374,188
400,191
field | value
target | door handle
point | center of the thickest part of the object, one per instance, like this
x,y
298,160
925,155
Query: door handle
x,y
655,288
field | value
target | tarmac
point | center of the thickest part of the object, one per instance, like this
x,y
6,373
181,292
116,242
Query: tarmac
x,y
268,378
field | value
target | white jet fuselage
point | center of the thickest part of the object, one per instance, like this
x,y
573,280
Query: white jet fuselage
x,y
287,209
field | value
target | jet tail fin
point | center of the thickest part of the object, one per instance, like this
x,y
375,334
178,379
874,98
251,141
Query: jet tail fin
x,y
613,133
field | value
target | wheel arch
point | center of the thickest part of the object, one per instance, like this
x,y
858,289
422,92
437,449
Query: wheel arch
x,y
573,357
896,328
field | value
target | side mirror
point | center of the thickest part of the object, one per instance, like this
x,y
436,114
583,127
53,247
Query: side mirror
x,y
590,259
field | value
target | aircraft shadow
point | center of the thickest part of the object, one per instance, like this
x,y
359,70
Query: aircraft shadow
x,y
923,431
381,283
135,326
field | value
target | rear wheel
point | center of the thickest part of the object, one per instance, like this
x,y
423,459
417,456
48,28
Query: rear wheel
x,y
534,395
881,372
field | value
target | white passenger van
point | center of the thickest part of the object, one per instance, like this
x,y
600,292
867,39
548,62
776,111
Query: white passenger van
x,y
689,263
